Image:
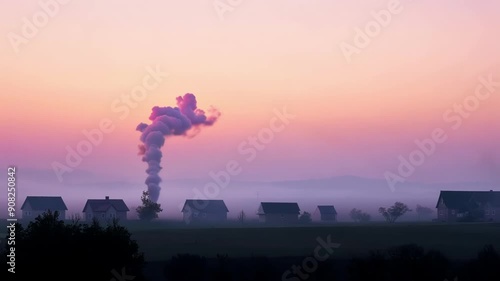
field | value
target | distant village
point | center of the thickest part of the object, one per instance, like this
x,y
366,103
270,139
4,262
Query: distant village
x,y
451,206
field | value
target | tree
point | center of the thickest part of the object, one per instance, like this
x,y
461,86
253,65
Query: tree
x,y
394,212
359,216
49,242
423,212
149,209
305,218
242,217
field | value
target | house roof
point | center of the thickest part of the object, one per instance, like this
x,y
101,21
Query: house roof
x,y
327,210
464,200
102,205
206,206
42,203
279,208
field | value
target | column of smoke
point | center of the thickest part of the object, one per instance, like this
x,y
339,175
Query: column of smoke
x,y
184,120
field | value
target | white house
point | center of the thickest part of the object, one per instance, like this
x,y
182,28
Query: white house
x,y
34,206
105,209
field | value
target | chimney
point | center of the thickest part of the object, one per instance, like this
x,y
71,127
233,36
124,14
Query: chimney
x,y
107,197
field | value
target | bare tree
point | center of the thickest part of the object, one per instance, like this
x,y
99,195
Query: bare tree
x,y
242,217
394,212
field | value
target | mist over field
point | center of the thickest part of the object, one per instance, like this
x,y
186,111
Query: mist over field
x,y
345,193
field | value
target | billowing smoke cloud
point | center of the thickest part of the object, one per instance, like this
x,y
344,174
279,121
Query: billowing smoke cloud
x,y
183,120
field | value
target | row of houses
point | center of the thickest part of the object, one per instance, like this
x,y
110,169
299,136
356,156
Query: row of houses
x,y
268,212
193,210
451,206
101,209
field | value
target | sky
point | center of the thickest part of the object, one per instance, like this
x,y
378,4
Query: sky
x,y
354,106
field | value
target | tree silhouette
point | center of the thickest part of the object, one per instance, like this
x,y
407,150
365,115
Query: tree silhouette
x,y
54,250
423,211
242,217
359,216
149,209
485,267
394,212
305,218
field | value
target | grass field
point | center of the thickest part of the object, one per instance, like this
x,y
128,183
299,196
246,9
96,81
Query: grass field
x,y
161,240
457,241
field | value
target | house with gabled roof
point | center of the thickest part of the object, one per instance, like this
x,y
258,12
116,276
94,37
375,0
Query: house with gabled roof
x,y
34,206
456,205
278,212
325,213
105,209
200,211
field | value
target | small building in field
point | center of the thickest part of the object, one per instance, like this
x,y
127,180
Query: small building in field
x,y
278,212
325,213
105,209
455,206
34,206
204,211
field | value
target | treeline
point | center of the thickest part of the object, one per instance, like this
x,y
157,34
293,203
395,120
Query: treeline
x,y
50,249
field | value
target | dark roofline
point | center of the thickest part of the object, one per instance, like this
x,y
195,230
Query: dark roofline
x,y
104,200
31,197
319,207
273,204
205,208
464,191
279,203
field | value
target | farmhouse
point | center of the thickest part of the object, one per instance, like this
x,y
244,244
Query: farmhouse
x,y
198,211
325,213
468,205
34,206
278,212
105,209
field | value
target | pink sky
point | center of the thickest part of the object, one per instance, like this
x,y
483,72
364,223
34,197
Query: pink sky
x,y
351,118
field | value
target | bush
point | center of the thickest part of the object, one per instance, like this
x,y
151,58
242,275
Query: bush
x,y
58,251
305,218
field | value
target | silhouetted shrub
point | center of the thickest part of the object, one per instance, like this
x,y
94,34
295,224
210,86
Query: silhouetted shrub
x,y
305,218
52,250
486,267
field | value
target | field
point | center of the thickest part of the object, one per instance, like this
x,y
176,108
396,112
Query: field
x,y
457,241
161,240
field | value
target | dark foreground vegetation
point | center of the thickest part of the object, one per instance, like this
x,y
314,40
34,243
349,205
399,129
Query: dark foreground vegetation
x,y
406,262
51,249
